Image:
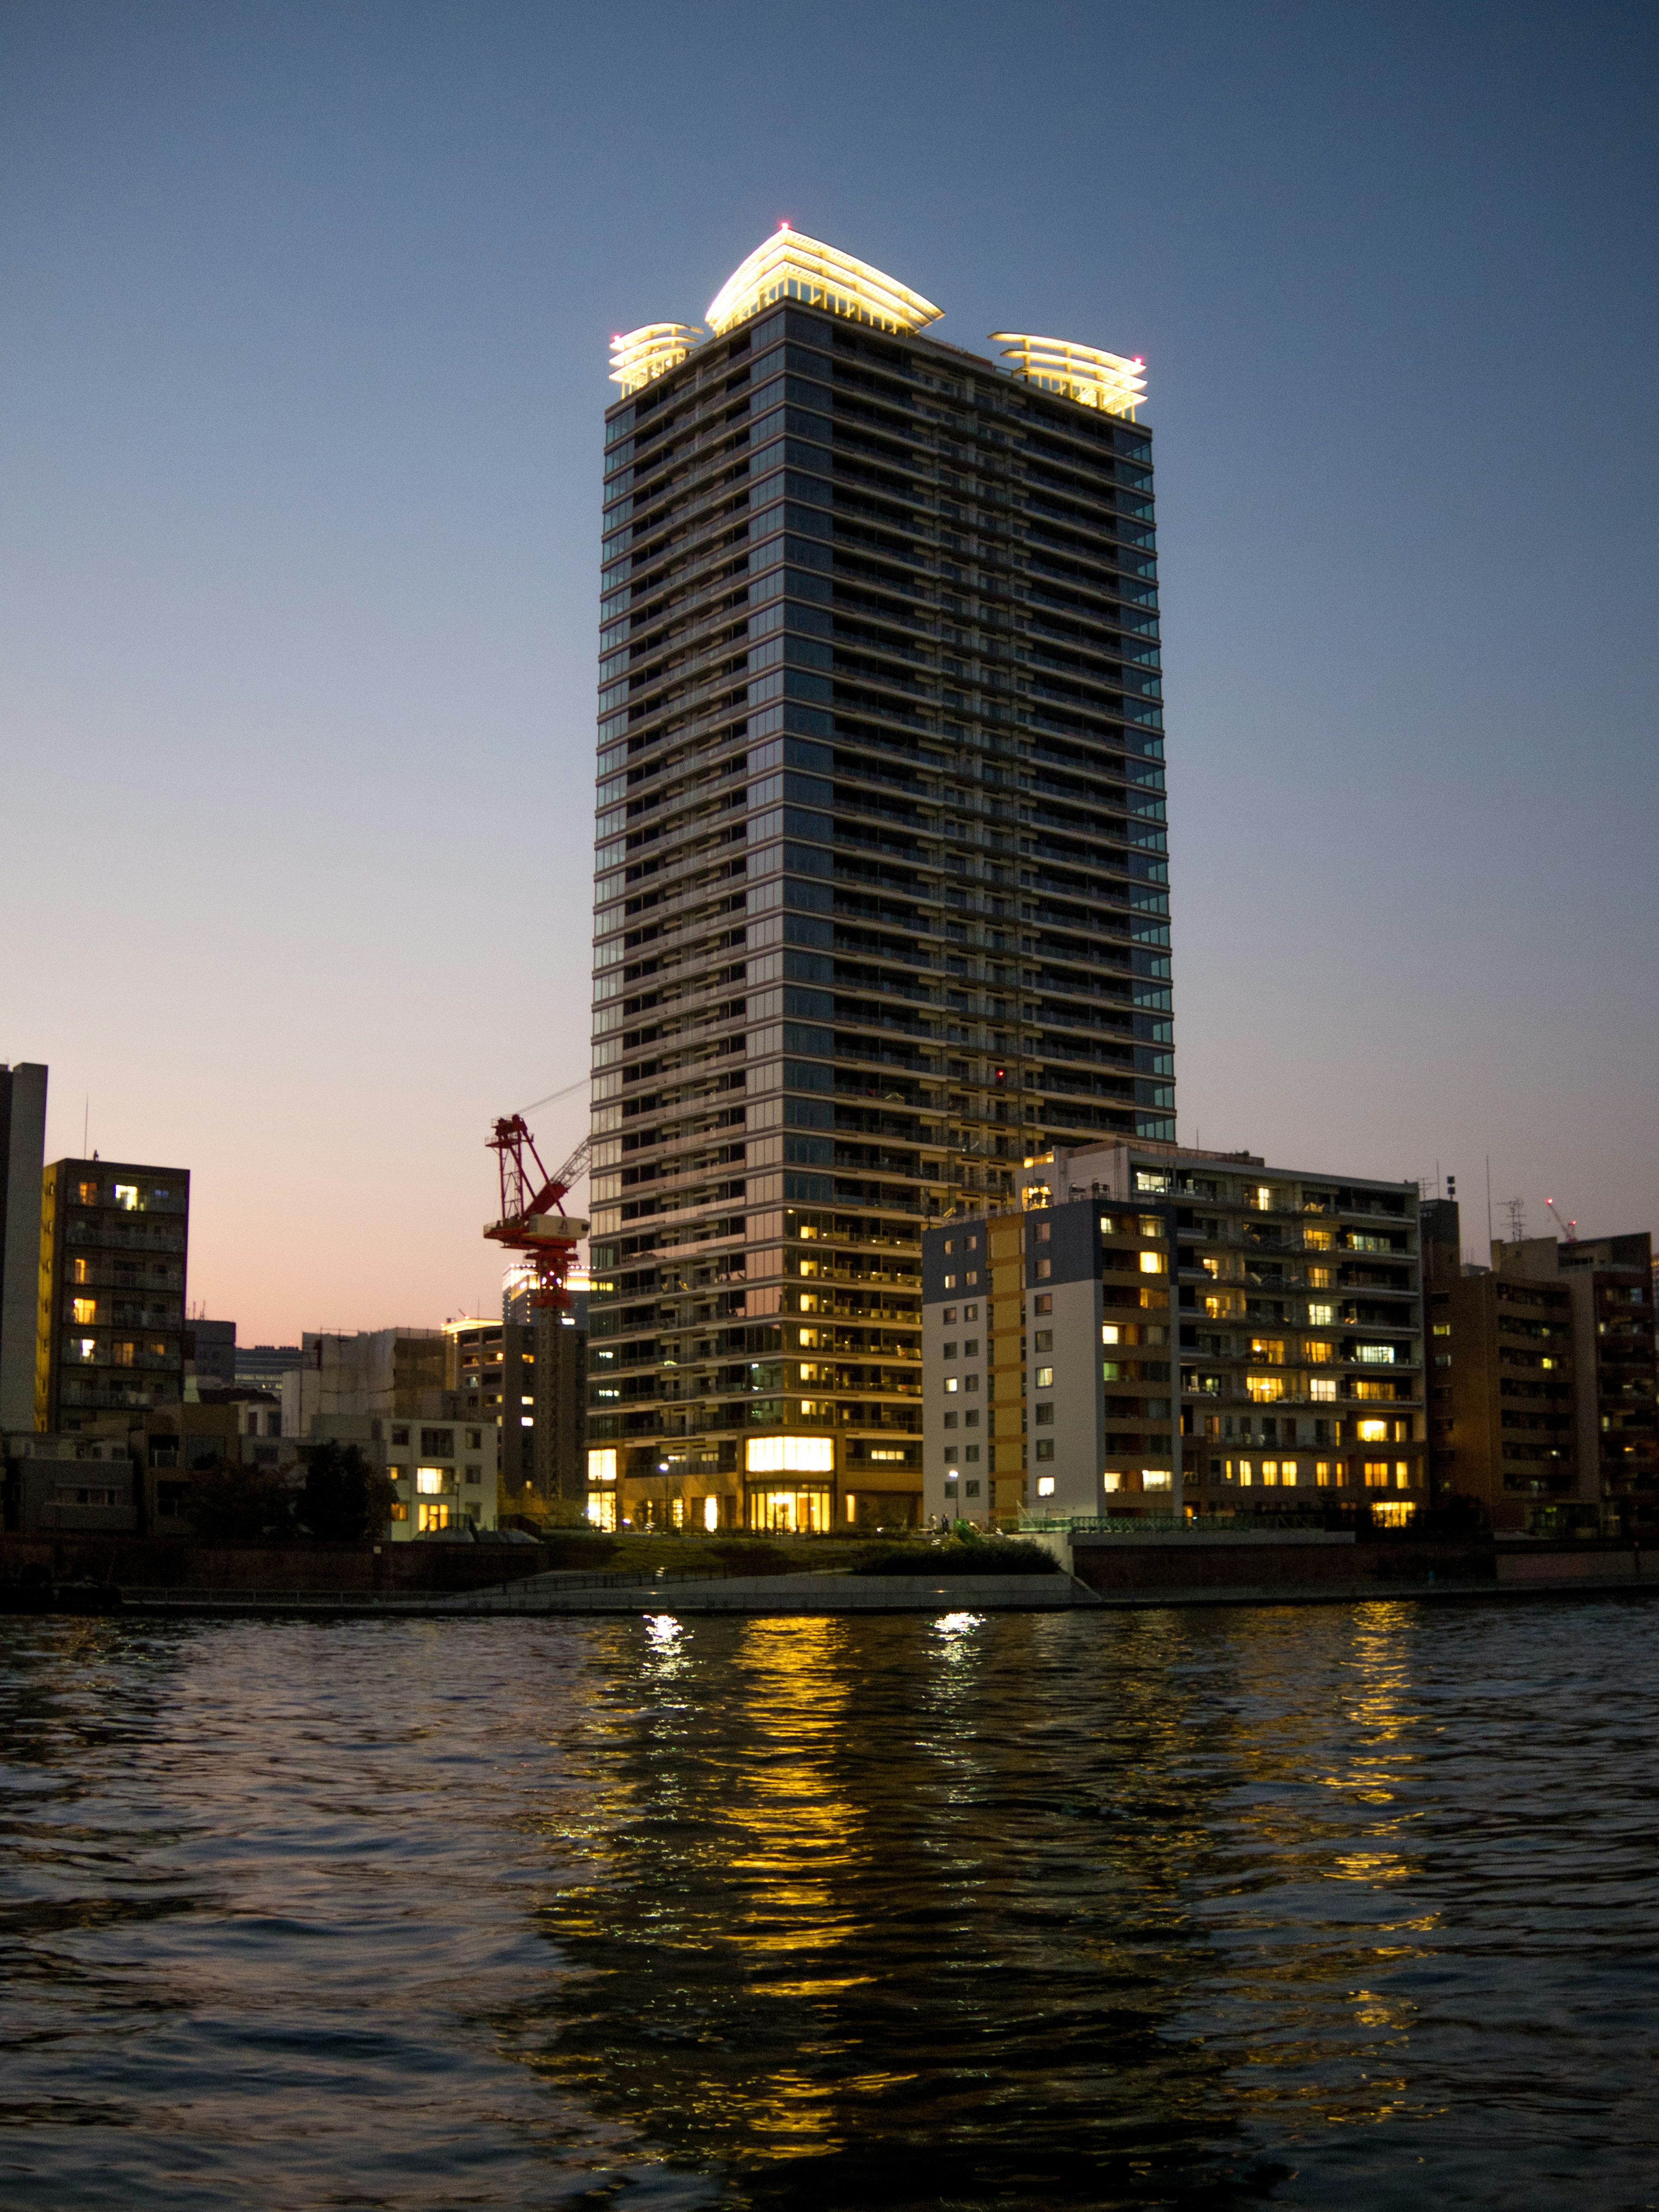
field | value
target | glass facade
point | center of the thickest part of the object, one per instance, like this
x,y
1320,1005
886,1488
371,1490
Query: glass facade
x,y
882,887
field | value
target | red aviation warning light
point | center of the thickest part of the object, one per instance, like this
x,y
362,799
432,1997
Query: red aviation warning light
x,y
528,1223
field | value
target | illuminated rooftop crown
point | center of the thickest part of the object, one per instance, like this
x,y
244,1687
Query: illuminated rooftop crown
x,y
639,354
1093,378
789,265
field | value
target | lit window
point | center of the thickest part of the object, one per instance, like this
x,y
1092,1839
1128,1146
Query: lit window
x,y
1264,1199
1443,1328
878,1454
126,1197
602,1465
1045,1378
431,1516
399,1510
602,1509
1375,1355
123,1355
1267,1350
1150,1225
80,1272
1044,1231
1111,1479
1246,1473
430,1481
1270,1474
88,1194
1044,1268
948,1316
1044,1303
1045,1485
1152,1263
950,1383
1322,1387
85,1310
970,1313
1156,1478
1395,1515
1315,1352
1402,1475
1043,1340
1287,1475
950,1282
1110,1333
1373,1432
1265,1388
1322,1473
1376,1474
790,1455
1322,1317
1319,1279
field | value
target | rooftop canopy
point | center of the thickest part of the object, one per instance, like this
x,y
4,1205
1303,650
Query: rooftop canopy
x,y
639,354
1082,372
789,265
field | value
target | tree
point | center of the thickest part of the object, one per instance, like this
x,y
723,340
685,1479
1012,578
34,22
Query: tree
x,y
239,1504
346,1500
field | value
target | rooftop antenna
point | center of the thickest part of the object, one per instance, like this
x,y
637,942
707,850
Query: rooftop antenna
x,y
1517,1210
1569,1229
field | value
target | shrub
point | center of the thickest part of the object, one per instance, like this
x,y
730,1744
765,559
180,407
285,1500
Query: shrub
x,y
985,1555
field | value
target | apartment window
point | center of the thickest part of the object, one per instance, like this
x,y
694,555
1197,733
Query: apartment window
x,y
948,1316
1043,1340
1157,1477
1044,1302
1402,1475
1044,1231
1322,1387
1319,1279
1154,1263
431,1516
400,1436
441,1442
1287,1473
948,1351
1045,1378
1322,1317
1045,1485
951,1384
970,1313
1265,1390
1375,1355
123,1355
971,1382
970,1489
972,1453
1315,1352
86,1193
126,1197
970,1347
970,1419
1045,1415
1045,1268
85,1310
431,1482
1267,1350
474,1477
1322,1473
950,1282
475,1437
1443,1328
951,1420
1376,1474
399,1510
1246,1473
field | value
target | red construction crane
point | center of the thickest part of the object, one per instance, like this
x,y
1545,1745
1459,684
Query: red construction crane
x,y
1569,1229
528,1225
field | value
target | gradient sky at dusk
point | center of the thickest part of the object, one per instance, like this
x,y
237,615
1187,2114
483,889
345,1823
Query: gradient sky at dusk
x,y
303,354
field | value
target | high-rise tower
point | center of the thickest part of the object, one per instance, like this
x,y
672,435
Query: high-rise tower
x,y
881,904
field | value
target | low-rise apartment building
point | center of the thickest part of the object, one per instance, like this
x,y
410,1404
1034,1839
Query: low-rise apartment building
x,y
1176,1333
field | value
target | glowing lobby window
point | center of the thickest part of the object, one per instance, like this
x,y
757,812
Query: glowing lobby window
x,y
711,1514
790,1455
602,1509
1396,1514
602,1465
790,1512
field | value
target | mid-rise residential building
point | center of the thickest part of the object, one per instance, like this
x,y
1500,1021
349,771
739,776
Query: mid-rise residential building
x,y
262,1366
527,1376
1155,1330
1544,1382
112,1254
211,1352
881,903
22,1156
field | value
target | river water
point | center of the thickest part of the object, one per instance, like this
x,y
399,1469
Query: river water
x,y
1337,1907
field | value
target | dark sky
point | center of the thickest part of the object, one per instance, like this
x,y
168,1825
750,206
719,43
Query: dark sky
x,y
306,309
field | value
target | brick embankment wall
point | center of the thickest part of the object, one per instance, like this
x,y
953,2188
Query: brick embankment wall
x,y
1119,1567
179,1563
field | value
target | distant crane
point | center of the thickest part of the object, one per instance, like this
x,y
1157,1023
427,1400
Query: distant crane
x,y
528,1223
1569,1229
